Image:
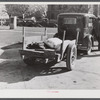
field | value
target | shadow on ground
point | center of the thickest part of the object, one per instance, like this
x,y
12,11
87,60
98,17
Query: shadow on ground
x,y
12,46
13,69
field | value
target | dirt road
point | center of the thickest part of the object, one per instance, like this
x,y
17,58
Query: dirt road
x,y
14,74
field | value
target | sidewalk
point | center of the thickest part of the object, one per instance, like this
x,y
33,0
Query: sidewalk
x,y
4,27
30,29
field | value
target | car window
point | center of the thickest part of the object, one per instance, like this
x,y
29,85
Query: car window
x,y
69,20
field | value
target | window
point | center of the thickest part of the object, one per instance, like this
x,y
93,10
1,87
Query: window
x,y
69,21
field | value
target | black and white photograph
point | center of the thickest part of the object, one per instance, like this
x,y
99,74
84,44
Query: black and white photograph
x,y
50,46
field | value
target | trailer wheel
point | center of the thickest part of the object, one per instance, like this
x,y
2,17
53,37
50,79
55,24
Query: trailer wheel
x,y
71,57
29,61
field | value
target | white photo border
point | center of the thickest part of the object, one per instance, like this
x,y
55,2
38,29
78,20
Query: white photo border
x,y
29,93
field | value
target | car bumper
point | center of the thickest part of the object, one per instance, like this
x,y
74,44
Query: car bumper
x,y
81,47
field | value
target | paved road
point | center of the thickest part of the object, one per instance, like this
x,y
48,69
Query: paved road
x,y
14,74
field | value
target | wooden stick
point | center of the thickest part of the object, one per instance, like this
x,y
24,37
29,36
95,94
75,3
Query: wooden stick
x,y
63,44
78,30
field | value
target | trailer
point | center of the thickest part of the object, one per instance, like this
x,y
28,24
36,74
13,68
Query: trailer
x,y
42,49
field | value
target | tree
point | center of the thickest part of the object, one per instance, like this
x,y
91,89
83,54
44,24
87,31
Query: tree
x,y
76,8
16,9
39,11
29,10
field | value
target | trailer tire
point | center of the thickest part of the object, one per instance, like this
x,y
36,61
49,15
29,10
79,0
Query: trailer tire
x,y
71,57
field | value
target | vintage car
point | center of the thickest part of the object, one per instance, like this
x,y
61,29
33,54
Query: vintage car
x,y
70,22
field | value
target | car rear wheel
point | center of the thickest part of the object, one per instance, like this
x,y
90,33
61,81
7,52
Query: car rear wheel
x,y
71,57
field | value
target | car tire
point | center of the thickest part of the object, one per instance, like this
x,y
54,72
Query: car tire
x,y
71,57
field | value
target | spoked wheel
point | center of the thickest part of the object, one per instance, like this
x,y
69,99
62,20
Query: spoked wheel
x,y
71,57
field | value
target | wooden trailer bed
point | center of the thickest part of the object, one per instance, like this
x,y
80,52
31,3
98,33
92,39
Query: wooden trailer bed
x,y
38,53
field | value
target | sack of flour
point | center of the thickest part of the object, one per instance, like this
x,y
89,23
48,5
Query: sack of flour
x,y
53,42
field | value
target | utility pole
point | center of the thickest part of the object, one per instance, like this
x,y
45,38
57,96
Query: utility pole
x,y
98,10
23,34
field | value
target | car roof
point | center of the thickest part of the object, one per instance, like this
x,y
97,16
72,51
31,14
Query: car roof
x,y
82,14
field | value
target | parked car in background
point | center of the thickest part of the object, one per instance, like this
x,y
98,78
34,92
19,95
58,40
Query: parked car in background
x,y
27,23
47,24
31,23
20,23
51,24
37,25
